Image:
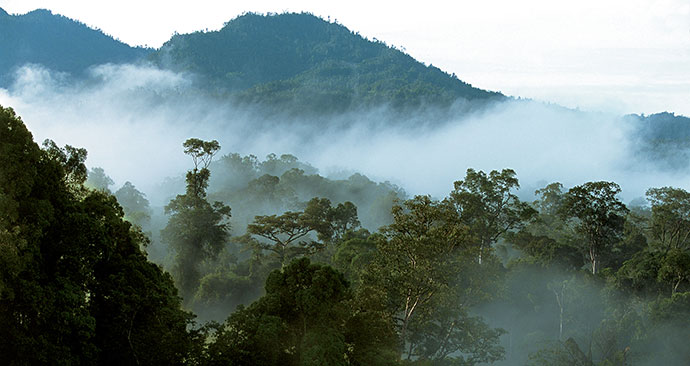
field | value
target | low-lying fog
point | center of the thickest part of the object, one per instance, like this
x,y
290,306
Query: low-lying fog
x,y
133,120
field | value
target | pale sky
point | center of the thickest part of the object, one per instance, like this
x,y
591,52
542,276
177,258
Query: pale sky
x,y
625,56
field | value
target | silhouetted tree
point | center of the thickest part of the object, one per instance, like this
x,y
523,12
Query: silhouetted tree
x,y
197,230
75,287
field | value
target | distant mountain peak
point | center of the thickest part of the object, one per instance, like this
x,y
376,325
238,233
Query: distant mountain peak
x,y
293,21
42,12
58,43
304,62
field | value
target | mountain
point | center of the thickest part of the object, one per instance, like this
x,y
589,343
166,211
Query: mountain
x,y
286,63
662,139
663,126
305,63
58,43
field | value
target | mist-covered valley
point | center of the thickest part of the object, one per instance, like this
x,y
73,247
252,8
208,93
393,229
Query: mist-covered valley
x,y
124,114
384,230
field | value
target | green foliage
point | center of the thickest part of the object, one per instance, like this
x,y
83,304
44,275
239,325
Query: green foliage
x,y
197,230
58,43
300,64
488,207
331,223
661,139
600,217
546,250
670,223
271,242
75,287
419,266
636,318
548,239
136,306
282,231
223,290
305,318
354,253
72,161
288,234
639,274
135,205
278,184
675,270
233,271
201,151
97,179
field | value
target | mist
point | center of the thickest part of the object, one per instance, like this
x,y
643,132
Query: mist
x,y
132,119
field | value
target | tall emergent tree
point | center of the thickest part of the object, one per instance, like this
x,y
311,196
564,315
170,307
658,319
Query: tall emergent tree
x,y
97,179
548,239
284,234
197,230
670,224
428,273
135,205
488,206
599,215
288,235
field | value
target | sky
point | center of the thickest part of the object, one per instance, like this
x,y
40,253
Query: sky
x,y
622,56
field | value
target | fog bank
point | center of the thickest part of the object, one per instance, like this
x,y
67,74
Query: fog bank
x,y
133,120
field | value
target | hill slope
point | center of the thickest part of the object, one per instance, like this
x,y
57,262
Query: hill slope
x,y
304,62
58,43
662,139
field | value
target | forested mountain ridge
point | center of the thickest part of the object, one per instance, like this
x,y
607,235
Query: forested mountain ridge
x,y
294,63
302,61
58,43
301,269
662,138
663,126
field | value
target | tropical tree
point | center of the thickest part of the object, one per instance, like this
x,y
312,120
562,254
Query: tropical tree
x,y
284,233
308,316
548,239
487,205
599,216
675,269
134,204
670,222
97,179
75,286
288,234
197,230
430,281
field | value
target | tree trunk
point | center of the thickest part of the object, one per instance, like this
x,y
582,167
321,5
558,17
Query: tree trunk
x,y
560,300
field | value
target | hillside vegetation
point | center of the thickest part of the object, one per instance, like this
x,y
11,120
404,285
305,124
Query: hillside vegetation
x,y
305,63
662,139
58,43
